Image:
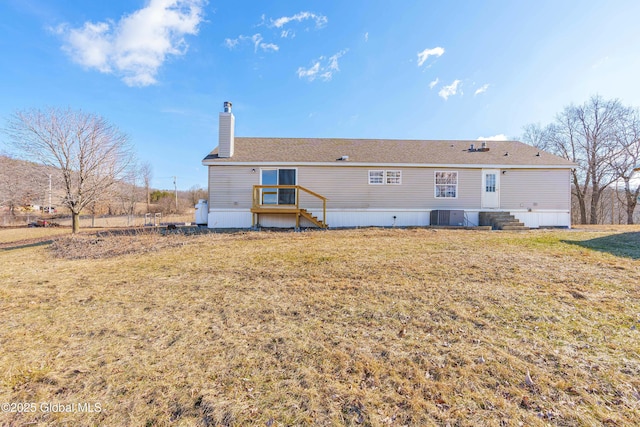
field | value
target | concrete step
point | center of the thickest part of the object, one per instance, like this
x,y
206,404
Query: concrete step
x,y
508,224
501,221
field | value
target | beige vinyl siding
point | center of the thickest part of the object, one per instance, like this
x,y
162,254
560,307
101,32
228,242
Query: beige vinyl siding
x,y
231,187
535,189
349,188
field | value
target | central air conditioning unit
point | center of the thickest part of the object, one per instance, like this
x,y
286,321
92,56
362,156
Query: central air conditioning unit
x,y
447,217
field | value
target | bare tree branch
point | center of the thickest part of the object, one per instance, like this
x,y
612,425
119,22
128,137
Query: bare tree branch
x,y
587,135
90,153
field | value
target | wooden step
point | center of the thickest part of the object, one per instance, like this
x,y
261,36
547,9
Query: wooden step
x,y
306,214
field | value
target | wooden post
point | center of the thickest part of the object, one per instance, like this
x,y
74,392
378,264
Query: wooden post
x,y
324,211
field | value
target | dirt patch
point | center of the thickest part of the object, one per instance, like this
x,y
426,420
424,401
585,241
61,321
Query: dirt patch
x,y
112,244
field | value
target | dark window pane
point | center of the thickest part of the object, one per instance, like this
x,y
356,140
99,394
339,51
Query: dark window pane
x,y
287,196
287,177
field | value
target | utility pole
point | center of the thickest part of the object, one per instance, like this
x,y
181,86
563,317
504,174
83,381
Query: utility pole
x,y
175,187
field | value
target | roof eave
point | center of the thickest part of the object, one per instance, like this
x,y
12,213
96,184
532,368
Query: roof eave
x,y
211,162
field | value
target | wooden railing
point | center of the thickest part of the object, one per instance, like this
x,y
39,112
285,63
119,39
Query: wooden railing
x,y
259,192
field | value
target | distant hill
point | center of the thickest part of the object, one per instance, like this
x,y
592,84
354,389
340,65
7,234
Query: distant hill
x,y
24,183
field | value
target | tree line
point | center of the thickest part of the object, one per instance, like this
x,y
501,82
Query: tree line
x,y
602,137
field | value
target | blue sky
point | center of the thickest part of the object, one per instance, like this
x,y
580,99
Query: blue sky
x,y
161,69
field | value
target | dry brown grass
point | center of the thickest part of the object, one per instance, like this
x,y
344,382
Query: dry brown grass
x,y
362,327
9,235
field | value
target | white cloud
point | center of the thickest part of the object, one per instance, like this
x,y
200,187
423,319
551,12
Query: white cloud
x,y
320,20
287,34
482,89
434,83
422,56
231,43
269,46
498,137
323,67
256,40
366,36
136,46
309,73
333,60
447,91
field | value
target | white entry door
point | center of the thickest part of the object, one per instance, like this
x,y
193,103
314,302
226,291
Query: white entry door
x,y
490,188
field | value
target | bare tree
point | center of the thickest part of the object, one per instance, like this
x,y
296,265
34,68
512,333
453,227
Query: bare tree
x,y
598,121
586,135
195,193
628,158
538,136
146,171
128,189
88,152
564,137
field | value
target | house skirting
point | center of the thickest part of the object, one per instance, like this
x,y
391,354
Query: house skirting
x,y
543,218
338,218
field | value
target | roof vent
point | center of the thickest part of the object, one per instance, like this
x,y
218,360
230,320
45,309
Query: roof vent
x,y
483,147
472,148
343,158
506,154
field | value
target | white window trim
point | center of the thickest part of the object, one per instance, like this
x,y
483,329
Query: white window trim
x,y
435,184
277,169
385,176
399,177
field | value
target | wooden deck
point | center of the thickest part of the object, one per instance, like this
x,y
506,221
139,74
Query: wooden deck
x,y
259,206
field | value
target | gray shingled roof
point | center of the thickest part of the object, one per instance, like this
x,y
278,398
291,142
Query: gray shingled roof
x,y
385,151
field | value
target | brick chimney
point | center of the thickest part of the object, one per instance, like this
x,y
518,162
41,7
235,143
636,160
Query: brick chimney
x,y
226,132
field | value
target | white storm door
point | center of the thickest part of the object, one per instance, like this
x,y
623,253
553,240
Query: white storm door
x,y
490,188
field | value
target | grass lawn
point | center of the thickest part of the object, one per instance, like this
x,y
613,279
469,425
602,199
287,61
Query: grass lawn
x,y
8,235
359,327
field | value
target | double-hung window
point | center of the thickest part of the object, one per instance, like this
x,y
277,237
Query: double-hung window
x,y
393,177
446,184
380,177
376,177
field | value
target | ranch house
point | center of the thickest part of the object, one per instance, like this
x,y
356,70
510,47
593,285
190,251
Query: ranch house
x,y
332,182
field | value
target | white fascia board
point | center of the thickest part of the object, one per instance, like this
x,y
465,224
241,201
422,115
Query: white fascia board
x,y
386,165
